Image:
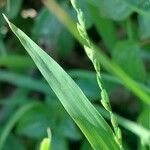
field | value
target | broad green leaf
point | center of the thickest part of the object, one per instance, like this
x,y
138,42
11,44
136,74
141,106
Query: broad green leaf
x,y
68,129
87,79
105,28
65,43
13,143
144,21
60,121
121,7
128,55
116,10
34,123
140,7
144,24
45,26
59,143
13,120
53,33
72,98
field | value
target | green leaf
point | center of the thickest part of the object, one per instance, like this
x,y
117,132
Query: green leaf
x,y
88,17
34,123
144,21
13,120
116,10
144,120
60,121
25,82
122,8
12,11
45,26
82,77
135,128
128,55
65,43
103,59
105,28
142,8
2,48
87,79
46,142
10,61
91,123
14,8
14,143
144,24
59,143
85,146
68,129
53,33
144,117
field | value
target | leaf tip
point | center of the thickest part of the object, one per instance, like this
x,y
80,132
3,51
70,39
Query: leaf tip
x,y
6,19
46,142
49,133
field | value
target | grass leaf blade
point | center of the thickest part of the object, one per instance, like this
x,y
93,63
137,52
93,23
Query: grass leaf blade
x,y
72,98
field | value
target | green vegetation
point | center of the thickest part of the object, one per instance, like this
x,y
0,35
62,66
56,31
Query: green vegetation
x,y
115,36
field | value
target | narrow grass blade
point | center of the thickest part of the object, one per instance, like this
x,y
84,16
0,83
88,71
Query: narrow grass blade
x,y
16,61
24,81
89,120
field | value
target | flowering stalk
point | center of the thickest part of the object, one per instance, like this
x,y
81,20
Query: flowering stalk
x,y
92,54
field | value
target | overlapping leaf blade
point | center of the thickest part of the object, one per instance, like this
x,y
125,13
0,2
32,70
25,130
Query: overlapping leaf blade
x,y
134,65
72,98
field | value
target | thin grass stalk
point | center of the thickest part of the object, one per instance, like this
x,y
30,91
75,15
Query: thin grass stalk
x,y
108,64
91,53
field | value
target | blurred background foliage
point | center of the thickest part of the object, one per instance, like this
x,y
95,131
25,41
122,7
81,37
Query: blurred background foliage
x,y
27,104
